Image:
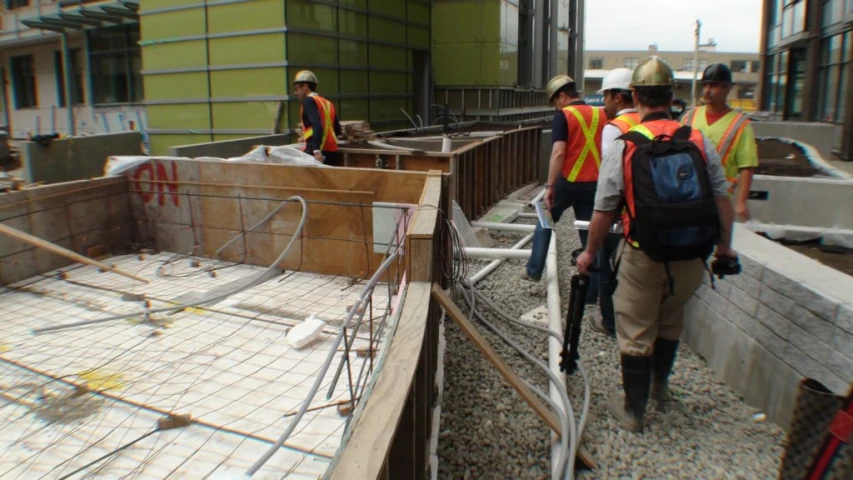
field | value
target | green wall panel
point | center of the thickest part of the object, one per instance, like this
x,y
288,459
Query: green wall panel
x,y
312,49
455,65
490,62
353,109
162,56
418,12
183,116
160,143
175,86
490,20
354,82
244,115
354,3
353,52
455,22
181,23
418,37
384,82
387,108
387,57
251,82
327,77
352,23
266,48
243,16
225,138
387,30
302,14
149,5
395,8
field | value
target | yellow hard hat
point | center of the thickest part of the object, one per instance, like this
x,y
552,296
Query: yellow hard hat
x,y
653,72
305,76
556,84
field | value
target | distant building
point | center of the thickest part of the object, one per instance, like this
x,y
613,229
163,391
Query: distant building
x,y
806,47
745,67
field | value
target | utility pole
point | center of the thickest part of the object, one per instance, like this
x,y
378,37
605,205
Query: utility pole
x,y
695,63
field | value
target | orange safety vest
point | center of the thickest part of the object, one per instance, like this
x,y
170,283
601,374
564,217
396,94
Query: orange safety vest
x,y
625,122
730,137
650,130
583,150
328,143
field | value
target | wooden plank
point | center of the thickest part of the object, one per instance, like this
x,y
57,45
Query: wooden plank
x,y
419,238
503,369
53,248
365,453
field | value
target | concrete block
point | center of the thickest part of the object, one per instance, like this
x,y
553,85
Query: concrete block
x,y
800,316
747,283
771,386
808,343
775,322
837,385
483,237
769,340
801,294
839,364
739,318
751,267
731,356
712,298
745,302
844,318
843,342
76,158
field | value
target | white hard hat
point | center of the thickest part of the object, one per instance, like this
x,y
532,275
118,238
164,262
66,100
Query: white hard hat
x,y
616,79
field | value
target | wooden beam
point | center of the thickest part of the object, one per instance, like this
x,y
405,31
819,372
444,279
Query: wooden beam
x,y
54,248
419,238
503,369
375,428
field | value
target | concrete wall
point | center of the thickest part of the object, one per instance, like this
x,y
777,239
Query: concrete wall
x,y
786,317
819,135
75,158
793,201
228,148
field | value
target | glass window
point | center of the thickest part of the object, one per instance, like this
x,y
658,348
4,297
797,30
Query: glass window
x,y
76,77
754,66
799,17
631,62
24,81
833,76
596,63
10,4
688,64
115,62
741,66
833,12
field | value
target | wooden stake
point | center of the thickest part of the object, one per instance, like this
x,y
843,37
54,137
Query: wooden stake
x,y
505,371
54,248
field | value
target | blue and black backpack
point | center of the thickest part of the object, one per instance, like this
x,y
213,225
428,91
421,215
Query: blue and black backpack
x,y
675,216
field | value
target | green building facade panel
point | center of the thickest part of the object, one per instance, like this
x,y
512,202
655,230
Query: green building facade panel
x,y
220,72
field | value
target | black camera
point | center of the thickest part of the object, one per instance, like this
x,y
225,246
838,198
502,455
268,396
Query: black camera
x,y
725,266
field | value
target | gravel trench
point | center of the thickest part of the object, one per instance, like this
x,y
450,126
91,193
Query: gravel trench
x,y
488,432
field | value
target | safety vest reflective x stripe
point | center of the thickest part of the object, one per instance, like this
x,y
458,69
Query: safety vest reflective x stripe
x,y
589,134
730,137
627,122
327,121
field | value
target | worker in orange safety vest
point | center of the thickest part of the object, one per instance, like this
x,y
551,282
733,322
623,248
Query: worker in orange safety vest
x,y
573,168
320,123
729,130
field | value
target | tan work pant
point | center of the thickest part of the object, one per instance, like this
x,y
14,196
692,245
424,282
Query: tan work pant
x,y
645,306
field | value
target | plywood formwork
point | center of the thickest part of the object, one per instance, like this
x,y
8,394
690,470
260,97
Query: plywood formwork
x,y
148,370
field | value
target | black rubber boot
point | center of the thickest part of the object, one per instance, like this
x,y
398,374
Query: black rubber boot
x,y
663,360
630,408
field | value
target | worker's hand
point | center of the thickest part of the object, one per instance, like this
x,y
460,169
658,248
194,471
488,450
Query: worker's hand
x,y
741,210
725,252
549,198
319,157
584,262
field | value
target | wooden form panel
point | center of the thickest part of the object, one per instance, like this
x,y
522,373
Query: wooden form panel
x,y
75,215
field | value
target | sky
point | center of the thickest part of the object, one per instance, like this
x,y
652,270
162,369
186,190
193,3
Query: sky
x,y
734,24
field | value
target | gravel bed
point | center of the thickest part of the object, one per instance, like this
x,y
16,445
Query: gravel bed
x,y
488,431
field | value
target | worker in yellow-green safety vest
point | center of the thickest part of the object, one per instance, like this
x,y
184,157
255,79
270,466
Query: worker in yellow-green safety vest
x,y
730,131
320,123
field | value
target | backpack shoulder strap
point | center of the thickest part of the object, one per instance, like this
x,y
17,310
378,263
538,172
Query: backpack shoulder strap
x,y
683,133
634,137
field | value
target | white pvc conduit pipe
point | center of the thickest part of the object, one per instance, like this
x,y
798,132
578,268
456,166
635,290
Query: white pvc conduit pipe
x,y
507,227
539,196
496,263
495,253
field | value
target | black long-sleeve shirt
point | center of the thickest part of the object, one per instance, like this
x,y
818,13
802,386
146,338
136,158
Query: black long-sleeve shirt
x,y
311,116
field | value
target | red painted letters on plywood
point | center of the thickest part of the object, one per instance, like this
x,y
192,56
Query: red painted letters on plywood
x,y
151,179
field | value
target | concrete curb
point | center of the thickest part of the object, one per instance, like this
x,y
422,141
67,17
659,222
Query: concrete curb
x,y
814,157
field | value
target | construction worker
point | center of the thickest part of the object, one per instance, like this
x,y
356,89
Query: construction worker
x,y
320,123
677,210
573,169
730,131
619,106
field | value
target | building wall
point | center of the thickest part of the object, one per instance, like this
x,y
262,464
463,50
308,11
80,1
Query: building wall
x,y
47,116
218,71
807,54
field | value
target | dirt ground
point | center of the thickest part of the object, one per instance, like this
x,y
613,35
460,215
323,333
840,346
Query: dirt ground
x,y
839,258
781,159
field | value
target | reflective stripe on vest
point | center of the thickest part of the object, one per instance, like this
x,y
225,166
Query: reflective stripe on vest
x,y
591,147
729,139
626,122
649,130
328,142
689,117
